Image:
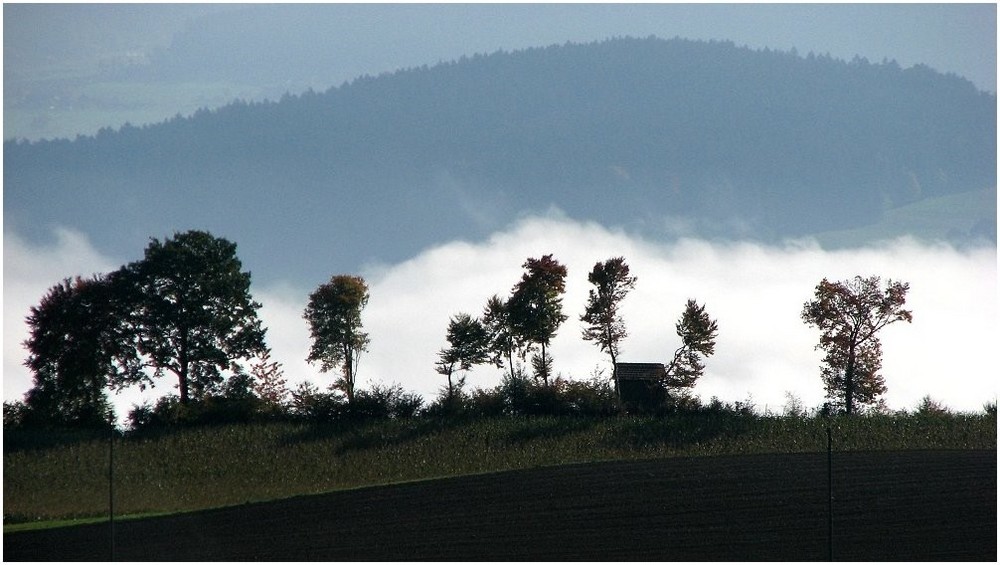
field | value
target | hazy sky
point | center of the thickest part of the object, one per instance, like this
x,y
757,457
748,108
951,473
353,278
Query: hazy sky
x,y
756,292
949,37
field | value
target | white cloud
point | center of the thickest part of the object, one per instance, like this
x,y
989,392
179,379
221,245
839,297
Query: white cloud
x,y
755,292
28,272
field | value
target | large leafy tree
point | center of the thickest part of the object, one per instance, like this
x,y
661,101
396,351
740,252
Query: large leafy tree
x,y
468,345
605,326
697,332
80,343
849,315
334,316
535,308
194,313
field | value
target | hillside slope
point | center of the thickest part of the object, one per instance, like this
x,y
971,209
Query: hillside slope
x,y
897,506
628,132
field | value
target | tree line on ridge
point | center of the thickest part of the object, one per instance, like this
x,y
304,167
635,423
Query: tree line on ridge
x,y
186,309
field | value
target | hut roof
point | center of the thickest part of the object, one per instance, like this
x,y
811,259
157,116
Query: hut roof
x,y
640,371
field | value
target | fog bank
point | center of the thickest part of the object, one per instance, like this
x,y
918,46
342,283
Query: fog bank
x,y
754,291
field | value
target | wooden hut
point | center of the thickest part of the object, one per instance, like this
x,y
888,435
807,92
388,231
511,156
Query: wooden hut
x,y
640,385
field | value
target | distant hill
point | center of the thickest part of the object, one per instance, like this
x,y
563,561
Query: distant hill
x,y
637,133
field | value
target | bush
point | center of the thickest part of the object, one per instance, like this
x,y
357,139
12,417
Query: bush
x,y
233,402
794,408
449,405
595,397
990,408
545,400
167,411
13,414
514,392
311,405
930,407
384,402
485,403
408,405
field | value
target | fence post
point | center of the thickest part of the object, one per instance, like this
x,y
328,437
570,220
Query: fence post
x,y
829,485
111,488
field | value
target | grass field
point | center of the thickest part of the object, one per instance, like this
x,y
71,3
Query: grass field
x,y
933,219
210,467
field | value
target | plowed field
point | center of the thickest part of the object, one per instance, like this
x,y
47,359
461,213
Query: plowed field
x,y
900,506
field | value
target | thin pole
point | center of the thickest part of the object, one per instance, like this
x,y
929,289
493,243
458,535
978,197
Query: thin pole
x,y
829,484
111,488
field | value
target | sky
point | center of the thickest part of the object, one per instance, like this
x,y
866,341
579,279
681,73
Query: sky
x,y
756,292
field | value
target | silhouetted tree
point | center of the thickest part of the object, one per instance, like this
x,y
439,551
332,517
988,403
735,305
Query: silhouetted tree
x,y
535,307
468,341
502,341
334,316
79,341
697,332
868,382
605,325
269,382
849,314
194,313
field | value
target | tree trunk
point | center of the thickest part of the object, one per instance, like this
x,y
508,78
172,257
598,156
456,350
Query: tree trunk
x,y
614,379
545,368
849,382
182,374
614,369
510,361
349,374
450,393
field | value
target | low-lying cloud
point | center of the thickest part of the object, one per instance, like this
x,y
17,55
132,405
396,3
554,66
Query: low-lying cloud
x,y
754,291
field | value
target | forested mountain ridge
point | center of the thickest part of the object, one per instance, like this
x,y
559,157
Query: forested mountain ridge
x,y
628,132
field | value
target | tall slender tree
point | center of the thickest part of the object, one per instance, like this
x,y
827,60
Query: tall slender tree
x,y
535,307
697,332
468,345
605,326
849,314
269,382
334,316
502,340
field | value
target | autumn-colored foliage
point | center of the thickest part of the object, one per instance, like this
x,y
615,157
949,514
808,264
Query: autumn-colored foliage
x,y
849,314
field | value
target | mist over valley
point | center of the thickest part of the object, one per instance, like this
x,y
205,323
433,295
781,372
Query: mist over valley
x,y
738,176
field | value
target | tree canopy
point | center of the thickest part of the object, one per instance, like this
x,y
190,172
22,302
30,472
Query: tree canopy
x,y
849,314
73,349
697,332
334,316
468,345
605,326
503,342
194,313
535,308
184,308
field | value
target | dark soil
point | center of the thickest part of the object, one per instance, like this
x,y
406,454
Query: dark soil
x,y
898,506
